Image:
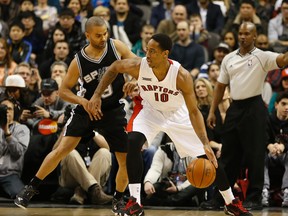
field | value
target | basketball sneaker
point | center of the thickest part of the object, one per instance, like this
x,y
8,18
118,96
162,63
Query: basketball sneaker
x,y
235,208
132,208
22,199
117,205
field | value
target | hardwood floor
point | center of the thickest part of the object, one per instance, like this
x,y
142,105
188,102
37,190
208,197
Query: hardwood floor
x,y
72,210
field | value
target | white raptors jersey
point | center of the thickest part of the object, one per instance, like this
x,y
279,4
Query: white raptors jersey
x,y
160,95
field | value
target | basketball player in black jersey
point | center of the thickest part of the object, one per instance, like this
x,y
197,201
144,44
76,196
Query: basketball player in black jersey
x,y
87,68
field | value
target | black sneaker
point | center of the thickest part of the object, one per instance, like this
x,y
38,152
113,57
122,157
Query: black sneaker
x,y
117,205
235,208
132,208
22,199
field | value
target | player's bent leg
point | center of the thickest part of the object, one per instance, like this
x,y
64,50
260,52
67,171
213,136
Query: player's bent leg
x,y
51,161
232,206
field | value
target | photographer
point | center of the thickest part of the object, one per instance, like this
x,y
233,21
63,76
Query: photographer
x,y
14,139
165,183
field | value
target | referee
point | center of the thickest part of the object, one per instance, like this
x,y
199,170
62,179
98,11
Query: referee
x,y
244,139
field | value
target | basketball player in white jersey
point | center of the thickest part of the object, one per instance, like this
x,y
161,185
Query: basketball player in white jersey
x,y
169,105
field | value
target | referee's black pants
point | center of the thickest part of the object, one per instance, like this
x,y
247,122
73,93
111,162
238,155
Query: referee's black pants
x,y
244,140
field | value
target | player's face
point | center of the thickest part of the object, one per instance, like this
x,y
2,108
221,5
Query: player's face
x,y
97,36
155,55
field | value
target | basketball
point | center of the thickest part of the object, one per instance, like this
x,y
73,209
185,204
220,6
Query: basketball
x,y
201,173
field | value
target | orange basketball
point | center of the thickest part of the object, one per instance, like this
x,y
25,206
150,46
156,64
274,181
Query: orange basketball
x,y
201,173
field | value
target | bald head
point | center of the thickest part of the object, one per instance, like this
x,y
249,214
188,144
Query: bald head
x,y
249,25
94,21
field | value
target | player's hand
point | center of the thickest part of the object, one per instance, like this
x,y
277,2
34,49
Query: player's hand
x,y
210,154
129,87
94,107
149,188
211,120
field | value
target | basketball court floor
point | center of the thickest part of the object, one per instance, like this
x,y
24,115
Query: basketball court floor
x,y
8,209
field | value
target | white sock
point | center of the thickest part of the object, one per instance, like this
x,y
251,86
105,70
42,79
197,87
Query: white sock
x,y
227,195
135,190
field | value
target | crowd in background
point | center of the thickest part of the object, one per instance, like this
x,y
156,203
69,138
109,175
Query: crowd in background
x,y
39,39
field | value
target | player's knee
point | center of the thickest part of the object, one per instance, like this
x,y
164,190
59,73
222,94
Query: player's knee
x,y
135,141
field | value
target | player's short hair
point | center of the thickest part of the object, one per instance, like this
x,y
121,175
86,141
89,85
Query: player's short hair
x,y
95,21
164,41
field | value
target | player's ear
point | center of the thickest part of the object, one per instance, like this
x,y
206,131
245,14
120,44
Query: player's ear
x,y
87,36
166,53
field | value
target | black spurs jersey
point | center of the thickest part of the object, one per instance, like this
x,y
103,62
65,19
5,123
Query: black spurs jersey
x,y
91,72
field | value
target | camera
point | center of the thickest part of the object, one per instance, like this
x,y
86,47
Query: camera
x,y
3,115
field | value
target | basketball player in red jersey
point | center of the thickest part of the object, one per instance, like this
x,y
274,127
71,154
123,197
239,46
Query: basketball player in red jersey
x,y
169,105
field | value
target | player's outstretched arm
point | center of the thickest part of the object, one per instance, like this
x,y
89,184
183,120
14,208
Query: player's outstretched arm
x,y
185,84
129,66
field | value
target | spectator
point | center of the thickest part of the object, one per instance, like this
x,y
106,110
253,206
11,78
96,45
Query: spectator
x,y
165,183
86,8
169,26
184,48
84,167
247,12
213,71
33,35
4,33
28,5
277,33
8,10
231,39
61,53
125,25
211,14
140,46
262,42
31,92
103,12
57,34
161,12
7,65
48,106
283,87
47,13
58,71
198,33
72,27
277,146
75,6
14,88
14,139
219,53
20,49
